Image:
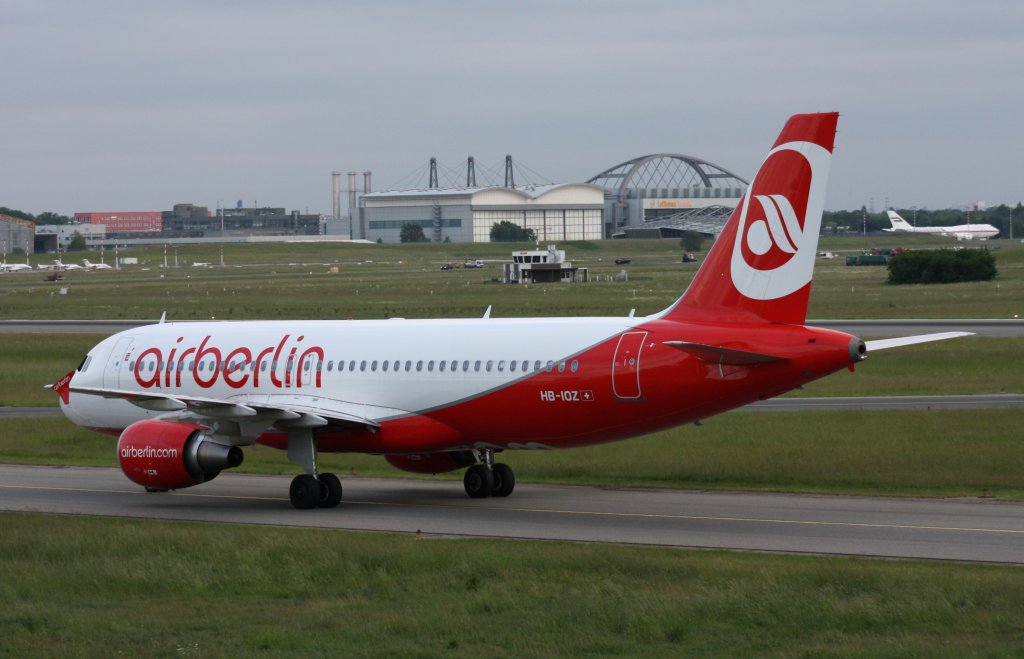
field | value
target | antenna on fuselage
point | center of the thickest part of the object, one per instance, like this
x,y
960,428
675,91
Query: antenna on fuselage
x,y
487,314
163,317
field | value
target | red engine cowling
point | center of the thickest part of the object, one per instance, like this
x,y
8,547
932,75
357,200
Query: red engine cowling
x,y
432,463
165,455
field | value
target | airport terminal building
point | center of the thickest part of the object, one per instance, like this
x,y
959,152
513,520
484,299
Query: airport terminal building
x,y
654,196
571,211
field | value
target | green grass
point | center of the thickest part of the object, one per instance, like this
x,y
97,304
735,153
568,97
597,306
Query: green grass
x,y
374,281
909,453
101,587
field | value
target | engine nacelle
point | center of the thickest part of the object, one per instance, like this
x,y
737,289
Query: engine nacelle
x,y
166,455
432,463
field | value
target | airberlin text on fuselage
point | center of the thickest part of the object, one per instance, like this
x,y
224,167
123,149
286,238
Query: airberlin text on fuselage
x,y
237,368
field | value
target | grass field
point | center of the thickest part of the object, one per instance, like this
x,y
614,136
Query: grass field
x,y
267,281
100,587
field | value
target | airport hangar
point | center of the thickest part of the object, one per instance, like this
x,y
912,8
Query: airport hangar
x,y
652,196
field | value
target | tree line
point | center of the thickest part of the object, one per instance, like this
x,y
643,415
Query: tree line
x,y
42,218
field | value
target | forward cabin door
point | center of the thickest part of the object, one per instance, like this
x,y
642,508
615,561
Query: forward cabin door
x,y
120,358
626,366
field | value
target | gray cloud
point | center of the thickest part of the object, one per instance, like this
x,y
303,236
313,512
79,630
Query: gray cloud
x,y
139,105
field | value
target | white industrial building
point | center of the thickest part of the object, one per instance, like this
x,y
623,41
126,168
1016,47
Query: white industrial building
x,y
571,211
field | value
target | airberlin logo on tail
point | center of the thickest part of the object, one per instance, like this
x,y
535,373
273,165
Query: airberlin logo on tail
x,y
773,254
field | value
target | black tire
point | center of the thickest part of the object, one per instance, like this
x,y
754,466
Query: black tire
x,y
479,482
304,492
155,490
330,494
504,480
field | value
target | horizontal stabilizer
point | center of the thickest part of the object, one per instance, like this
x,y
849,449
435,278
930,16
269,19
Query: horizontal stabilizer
x,y
882,344
718,355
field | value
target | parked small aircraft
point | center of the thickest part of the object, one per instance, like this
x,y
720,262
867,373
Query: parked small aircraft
x,y
95,266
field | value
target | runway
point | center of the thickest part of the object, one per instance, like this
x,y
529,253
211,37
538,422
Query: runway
x,y
972,530
992,327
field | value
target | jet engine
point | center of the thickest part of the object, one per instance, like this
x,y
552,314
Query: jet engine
x,y
165,455
432,463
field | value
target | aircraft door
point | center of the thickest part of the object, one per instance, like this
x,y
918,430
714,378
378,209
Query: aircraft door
x,y
626,366
120,358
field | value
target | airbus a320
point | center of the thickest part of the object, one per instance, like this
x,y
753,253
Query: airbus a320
x,y
440,395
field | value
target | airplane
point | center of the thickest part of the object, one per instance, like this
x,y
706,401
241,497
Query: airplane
x,y
60,265
445,394
15,267
960,232
95,266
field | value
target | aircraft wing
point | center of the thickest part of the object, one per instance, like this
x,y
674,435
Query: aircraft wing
x,y
287,410
883,344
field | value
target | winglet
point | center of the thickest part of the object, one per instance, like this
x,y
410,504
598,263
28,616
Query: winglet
x,y
63,387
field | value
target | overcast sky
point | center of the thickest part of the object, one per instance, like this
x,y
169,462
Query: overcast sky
x,y
137,105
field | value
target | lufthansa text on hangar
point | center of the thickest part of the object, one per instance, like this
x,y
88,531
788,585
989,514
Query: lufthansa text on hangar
x,y
570,211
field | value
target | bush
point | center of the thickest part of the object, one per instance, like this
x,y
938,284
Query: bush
x,y
942,266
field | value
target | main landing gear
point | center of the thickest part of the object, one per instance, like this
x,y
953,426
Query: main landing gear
x,y
310,490
322,491
489,479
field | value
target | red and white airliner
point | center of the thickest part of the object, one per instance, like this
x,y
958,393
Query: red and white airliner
x,y
439,395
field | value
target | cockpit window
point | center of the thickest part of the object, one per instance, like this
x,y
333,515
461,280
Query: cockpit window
x,y
85,363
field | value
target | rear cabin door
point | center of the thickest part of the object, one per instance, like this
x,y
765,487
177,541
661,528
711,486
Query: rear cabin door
x,y
626,366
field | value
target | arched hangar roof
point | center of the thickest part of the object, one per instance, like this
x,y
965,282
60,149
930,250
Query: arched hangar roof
x,y
665,171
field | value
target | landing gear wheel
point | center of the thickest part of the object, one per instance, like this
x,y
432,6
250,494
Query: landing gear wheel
x,y
330,491
304,492
479,482
155,490
504,480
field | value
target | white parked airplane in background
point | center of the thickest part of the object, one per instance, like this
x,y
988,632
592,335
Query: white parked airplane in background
x,y
14,267
960,232
95,266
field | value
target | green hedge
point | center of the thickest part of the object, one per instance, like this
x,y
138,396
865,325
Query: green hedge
x,y
942,266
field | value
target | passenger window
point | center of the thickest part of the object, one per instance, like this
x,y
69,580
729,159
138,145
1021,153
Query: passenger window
x,y
476,366
550,366
384,366
419,365
465,365
440,366
362,365
430,365
373,365
574,366
490,365
352,365
536,365
330,366
263,366
526,366
408,365
561,367
512,365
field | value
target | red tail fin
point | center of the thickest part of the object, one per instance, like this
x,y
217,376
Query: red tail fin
x,y
759,269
